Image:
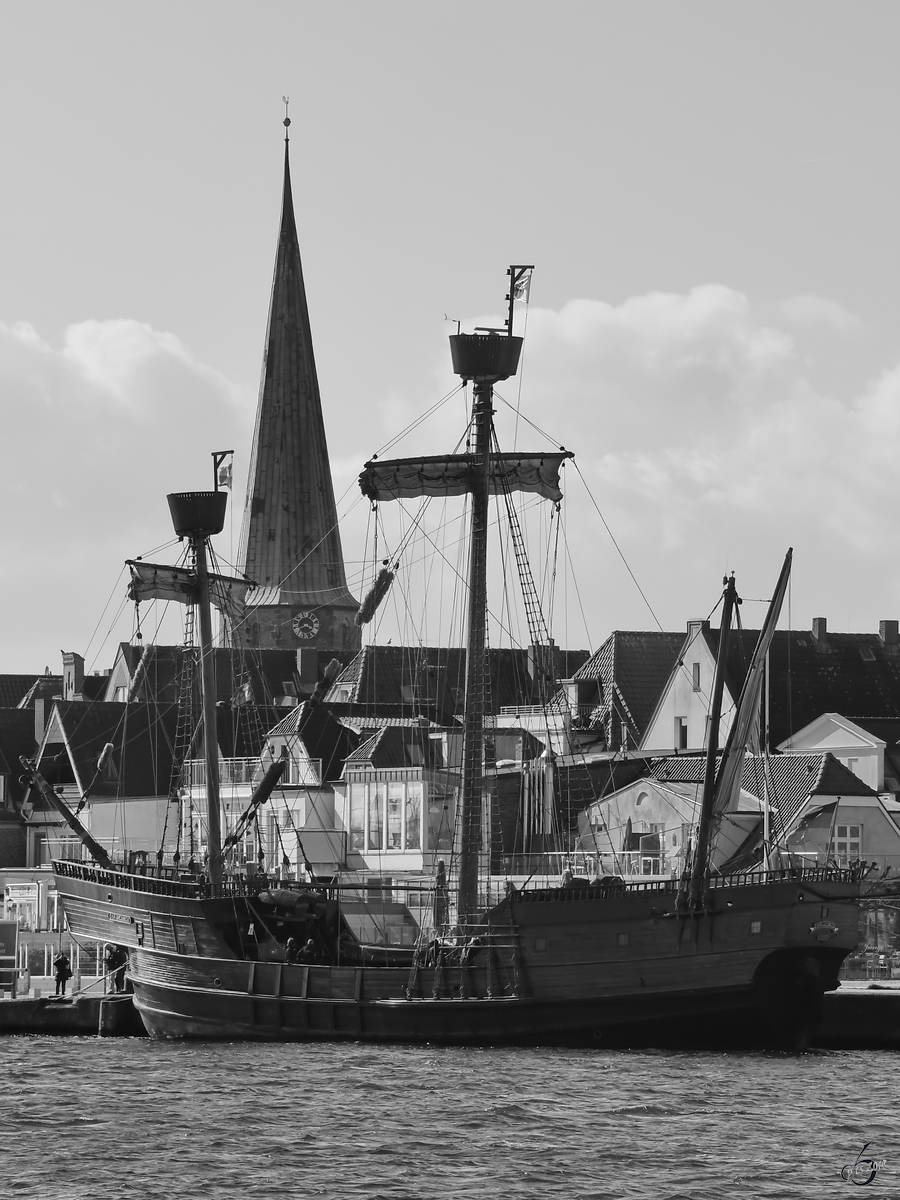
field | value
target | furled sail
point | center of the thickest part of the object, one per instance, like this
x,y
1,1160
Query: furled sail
x,y
728,781
152,581
451,475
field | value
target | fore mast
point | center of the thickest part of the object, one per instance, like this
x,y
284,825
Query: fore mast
x,y
198,516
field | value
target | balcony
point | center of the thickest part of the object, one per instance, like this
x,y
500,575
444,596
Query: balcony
x,y
234,772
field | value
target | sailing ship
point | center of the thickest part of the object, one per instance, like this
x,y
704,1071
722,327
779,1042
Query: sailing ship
x,y
715,957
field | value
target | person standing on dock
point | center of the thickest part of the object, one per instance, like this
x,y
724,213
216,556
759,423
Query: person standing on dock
x,y
116,959
62,970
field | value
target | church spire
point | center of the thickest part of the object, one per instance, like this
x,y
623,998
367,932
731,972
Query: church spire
x,y
290,542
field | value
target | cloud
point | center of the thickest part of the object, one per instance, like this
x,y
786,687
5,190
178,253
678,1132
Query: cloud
x,y
702,431
709,445
814,310
94,433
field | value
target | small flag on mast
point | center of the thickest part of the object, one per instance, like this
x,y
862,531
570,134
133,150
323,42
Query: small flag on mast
x,y
225,473
522,287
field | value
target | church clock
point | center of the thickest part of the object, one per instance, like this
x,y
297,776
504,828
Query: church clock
x,y
305,625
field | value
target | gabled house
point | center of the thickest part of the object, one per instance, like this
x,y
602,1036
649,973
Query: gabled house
x,y
644,828
397,799
867,745
97,756
301,821
812,673
844,821
611,697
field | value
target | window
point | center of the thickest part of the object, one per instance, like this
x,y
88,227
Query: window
x,y
440,821
681,733
376,816
388,817
622,939
395,816
357,816
413,816
695,671
848,842
756,926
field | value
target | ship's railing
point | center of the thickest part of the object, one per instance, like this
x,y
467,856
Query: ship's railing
x,y
106,877
619,887
589,865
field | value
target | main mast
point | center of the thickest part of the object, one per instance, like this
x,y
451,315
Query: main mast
x,y
485,357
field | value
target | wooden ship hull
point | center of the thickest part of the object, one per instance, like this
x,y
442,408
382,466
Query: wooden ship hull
x,y
576,966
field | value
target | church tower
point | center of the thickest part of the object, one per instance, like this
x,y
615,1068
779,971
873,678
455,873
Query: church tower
x,y
290,543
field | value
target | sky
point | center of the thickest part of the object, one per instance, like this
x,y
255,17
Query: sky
x,y
708,192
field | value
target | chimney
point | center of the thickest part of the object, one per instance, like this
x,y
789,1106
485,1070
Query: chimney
x,y
695,628
819,628
73,675
889,632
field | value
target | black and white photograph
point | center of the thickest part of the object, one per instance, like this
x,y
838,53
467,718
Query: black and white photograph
x,y
450,621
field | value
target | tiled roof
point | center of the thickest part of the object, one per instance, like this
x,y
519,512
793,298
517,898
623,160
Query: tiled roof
x,y
14,689
266,671
854,674
141,762
406,681
394,747
632,669
366,725
885,728
45,687
16,739
322,736
793,779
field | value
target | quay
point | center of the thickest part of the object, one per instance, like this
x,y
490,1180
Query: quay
x,y
83,1014
860,1015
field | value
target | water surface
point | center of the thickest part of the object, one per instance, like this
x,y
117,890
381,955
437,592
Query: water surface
x,y
90,1117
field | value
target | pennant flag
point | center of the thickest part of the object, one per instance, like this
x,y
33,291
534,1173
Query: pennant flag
x,y
225,474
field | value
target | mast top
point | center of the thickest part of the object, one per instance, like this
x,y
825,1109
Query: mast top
x,y
485,355
198,515
287,119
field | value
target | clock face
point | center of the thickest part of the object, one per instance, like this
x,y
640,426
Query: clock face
x,y
305,625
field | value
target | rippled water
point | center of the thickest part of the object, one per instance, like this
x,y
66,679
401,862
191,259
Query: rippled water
x,y
89,1117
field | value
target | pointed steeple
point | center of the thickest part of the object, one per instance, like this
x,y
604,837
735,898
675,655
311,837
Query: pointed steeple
x,y
290,542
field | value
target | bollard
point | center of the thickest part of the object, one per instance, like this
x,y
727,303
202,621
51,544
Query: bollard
x,y
119,1018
